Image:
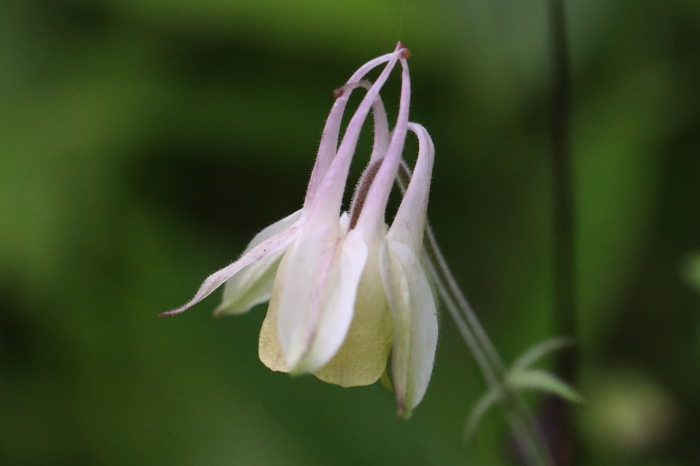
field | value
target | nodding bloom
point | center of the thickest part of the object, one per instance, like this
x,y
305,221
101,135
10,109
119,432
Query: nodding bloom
x,y
346,290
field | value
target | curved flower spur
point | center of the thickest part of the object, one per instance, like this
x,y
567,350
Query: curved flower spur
x,y
345,289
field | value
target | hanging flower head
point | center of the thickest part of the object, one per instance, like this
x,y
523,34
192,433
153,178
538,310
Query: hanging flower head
x,y
344,289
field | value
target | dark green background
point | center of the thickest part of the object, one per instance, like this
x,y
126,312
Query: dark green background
x,y
144,142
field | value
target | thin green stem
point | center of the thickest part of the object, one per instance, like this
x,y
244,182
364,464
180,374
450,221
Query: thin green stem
x,y
520,419
518,415
434,252
492,378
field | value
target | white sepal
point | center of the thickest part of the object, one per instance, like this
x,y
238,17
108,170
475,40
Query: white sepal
x,y
270,246
253,284
318,298
415,322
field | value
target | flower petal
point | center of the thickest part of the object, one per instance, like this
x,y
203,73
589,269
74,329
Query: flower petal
x,y
329,139
270,246
318,298
326,204
374,208
362,358
269,349
250,286
415,319
271,230
381,124
409,223
253,284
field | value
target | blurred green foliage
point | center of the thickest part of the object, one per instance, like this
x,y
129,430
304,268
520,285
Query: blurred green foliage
x,y
143,143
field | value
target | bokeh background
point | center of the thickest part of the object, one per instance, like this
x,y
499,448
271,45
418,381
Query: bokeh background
x,y
144,142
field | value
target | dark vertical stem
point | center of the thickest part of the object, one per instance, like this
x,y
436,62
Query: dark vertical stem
x,y
564,445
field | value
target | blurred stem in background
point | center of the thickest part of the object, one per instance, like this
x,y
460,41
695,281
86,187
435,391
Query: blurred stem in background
x,y
564,441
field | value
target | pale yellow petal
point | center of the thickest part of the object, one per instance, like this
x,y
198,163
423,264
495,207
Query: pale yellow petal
x,y
415,316
362,358
269,349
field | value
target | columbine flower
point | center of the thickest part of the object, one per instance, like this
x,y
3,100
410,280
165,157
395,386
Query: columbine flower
x,y
345,289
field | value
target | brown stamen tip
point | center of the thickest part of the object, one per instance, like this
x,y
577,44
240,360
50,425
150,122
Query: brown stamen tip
x,y
338,92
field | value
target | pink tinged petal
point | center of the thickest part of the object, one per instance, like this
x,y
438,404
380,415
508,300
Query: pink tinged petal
x,y
381,144
415,320
269,348
250,286
329,139
318,299
270,246
378,195
271,230
408,289
409,222
253,284
327,202
381,124
381,131
318,293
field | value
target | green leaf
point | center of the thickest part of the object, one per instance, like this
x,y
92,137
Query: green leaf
x,y
540,350
543,381
490,398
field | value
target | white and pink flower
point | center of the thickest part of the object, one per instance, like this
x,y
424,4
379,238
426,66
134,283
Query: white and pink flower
x,y
345,290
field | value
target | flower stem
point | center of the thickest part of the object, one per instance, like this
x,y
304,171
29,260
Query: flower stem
x,y
519,417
